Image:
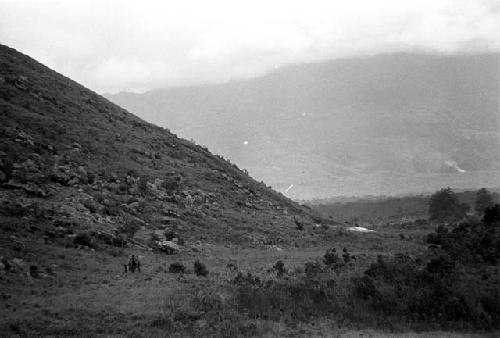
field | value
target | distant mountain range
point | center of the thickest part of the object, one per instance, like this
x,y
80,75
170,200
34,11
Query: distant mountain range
x,y
385,124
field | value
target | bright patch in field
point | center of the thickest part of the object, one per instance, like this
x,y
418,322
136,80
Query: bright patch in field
x,y
360,229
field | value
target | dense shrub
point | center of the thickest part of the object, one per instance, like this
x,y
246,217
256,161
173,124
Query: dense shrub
x,y
129,229
200,269
83,239
170,235
299,300
469,242
171,183
484,200
332,260
176,268
247,279
445,286
91,177
111,210
364,287
312,269
429,293
91,205
441,287
279,267
7,167
492,215
143,185
14,209
299,225
347,257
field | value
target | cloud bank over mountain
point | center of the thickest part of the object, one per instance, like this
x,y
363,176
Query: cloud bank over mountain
x,y
386,124
130,45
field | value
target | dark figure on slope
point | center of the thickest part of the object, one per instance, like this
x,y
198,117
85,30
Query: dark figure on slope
x,y
134,264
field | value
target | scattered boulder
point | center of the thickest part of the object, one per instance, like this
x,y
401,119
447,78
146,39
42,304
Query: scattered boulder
x,y
76,146
24,138
168,247
15,264
134,205
20,82
273,247
109,238
83,175
60,174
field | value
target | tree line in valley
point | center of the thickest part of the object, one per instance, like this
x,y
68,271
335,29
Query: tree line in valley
x,y
447,204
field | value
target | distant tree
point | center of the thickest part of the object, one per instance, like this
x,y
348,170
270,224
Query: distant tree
x,y
484,200
492,214
444,206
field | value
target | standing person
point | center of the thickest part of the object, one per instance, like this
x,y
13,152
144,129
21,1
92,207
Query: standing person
x,y
137,264
131,264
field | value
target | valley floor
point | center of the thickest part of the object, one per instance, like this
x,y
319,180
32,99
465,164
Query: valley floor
x,y
86,293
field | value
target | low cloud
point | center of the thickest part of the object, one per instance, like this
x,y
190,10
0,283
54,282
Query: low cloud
x,y
139,45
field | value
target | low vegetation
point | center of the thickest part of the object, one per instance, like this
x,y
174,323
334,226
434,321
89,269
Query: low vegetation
x,y
452,285
200,269
176,268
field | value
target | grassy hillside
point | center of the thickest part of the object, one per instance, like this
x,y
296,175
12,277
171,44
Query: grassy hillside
x,y
62,144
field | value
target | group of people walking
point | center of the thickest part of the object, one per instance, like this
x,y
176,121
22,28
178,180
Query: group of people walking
x,y
133,264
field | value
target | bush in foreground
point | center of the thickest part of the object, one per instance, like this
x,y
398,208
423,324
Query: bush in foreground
x,y
200,269
176,268
453,285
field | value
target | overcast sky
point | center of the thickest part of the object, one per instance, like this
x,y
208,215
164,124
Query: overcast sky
x,y
139,45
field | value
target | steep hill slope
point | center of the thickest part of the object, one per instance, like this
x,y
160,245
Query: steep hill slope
x,y
69,155
383,124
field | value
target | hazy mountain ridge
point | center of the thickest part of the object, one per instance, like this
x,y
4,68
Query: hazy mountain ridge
x,y
369,125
